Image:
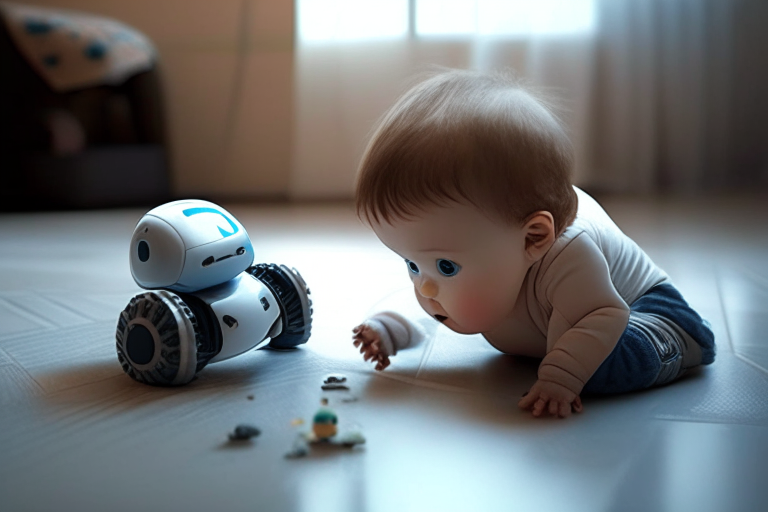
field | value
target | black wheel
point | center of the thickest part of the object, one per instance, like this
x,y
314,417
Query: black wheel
x,y
159,339
295,303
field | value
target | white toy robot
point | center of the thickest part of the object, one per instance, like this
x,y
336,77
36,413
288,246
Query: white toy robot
x,y
212,302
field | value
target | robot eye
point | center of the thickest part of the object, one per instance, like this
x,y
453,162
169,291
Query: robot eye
x,y
143,251
447,267
414,268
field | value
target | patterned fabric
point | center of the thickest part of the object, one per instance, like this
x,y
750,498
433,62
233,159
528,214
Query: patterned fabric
x,y
654,349
72,50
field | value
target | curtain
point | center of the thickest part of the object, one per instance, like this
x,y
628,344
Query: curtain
x,y
657,95
681,95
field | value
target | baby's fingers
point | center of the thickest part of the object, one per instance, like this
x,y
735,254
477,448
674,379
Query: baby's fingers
x,y
362,342
564,410
368,354
383,362
527,401
539,407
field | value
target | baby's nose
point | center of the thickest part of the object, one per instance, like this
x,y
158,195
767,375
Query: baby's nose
x,y
427,288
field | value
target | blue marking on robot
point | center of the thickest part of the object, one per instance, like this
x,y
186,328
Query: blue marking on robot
x,y
194,211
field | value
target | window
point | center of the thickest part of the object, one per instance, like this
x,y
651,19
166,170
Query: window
x,y
503,17
346,20
349,20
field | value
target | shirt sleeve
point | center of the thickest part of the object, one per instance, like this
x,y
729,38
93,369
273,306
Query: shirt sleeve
x,y
588,314
400,322
396,331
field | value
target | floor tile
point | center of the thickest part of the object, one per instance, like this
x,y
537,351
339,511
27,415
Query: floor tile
x,y
728,391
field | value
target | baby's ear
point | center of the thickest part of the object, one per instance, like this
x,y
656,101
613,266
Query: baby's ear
x,y
539,231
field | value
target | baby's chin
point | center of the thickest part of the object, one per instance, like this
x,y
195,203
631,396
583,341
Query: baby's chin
x,y
449,323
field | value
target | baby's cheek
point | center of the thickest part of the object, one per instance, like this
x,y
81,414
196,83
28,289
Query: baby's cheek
x,y
477,312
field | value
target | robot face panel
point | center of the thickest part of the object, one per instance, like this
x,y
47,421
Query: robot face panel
x,y
188,245
157,253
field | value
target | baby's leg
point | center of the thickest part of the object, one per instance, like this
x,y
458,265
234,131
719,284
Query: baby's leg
x,y
663,339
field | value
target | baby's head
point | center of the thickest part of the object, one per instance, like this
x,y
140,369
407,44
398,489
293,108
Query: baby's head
x,y
467,177
463,136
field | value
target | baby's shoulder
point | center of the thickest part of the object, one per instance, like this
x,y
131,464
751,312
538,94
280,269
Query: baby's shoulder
x,y
576,248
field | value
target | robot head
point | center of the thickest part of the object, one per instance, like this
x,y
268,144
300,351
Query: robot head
x,y
188,245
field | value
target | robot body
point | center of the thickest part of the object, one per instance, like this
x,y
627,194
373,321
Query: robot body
x,y
212,303
243,307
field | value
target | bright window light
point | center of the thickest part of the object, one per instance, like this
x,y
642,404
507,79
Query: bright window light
x,y
446,17
349,20
504,17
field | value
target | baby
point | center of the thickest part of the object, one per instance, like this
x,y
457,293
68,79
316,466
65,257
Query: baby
x,y
467,178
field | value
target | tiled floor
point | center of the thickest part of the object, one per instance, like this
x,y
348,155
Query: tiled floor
x,y
441,423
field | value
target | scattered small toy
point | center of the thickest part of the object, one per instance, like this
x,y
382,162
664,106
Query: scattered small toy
x,y
299,449
297,421
244,432
324,422
335,381
324,432
334,378
349,399
332,387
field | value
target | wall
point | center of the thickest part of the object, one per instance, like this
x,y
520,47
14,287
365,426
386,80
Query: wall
x,y
227,68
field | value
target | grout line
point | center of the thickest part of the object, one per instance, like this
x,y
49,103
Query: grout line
x,y
721,296
709,421
751,363
18,365
69,308
25,313
755,275
76,386
426,354
415,381
33,313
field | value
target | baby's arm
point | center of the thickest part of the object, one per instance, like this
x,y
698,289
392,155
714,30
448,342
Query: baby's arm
x,y
588,318
383,334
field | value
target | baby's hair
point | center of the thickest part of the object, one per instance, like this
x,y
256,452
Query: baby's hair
x,y
464,136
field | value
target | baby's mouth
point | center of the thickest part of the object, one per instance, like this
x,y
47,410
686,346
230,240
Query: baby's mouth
x,y
441,318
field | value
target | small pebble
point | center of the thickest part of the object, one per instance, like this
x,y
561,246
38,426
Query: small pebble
x,y
334,378
297,452
244,432
331,387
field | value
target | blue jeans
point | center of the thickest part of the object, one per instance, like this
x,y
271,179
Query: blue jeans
x,y
636,362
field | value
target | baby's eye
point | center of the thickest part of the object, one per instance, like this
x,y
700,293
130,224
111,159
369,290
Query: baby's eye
x,y
414,268
448,267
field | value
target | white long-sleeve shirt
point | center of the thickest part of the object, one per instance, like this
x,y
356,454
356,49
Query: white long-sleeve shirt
x,y
573,305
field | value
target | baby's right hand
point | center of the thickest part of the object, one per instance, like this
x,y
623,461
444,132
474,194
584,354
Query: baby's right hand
x,y
369,342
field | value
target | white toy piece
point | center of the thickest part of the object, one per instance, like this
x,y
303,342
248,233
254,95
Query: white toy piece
x,y
164,337
188,245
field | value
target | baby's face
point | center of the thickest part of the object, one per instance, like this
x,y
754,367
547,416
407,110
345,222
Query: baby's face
x,y
467,269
